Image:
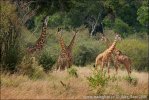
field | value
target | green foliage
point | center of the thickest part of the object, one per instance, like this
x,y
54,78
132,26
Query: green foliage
x,y
9,36
56,19
137,50
72,13
143,15
47,61
98,81
108,23
122,28
12,57
131,80
7,13
86,54
72,72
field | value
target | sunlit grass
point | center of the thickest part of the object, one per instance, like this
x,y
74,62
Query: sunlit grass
x,y
22,87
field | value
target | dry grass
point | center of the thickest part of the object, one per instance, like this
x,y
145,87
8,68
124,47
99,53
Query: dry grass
x,y
21,87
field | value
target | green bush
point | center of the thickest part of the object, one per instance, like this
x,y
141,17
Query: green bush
x,y
47,61
131,80
87,52
108,23
84,56
122,28
137,51
11,59
55,20
72,72
98,78
98,81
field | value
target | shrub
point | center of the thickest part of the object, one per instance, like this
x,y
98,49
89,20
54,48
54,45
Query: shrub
x,y
121,27
108,23
31,68
131,80
47,61
137,50
98,78
55,19
84,57
86,53
11,59
98,81
72,72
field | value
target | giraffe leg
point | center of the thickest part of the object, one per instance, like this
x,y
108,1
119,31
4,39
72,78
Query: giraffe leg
x,y
130,69
108,68
102,65
127,68
96,64
130,65
116,67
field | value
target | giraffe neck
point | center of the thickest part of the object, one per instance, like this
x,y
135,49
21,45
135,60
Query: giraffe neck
x,y
61,41
107,41
112,47
40,42
72,42
63,46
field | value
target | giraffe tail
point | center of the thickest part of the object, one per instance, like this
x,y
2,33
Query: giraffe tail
x,y
94,66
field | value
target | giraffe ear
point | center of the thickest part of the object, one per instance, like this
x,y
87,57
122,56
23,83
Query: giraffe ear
x,y
59,29
75,31
46,20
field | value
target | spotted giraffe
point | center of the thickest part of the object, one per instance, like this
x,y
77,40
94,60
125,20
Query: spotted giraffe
x,y
103,58
119,57
108,43
40,42
65,58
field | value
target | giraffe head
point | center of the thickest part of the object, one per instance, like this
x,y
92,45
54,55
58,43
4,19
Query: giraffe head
x,y
75,31
103,38
46,20
118,37
59,31
117,52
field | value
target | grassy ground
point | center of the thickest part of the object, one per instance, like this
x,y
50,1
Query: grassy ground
x,y
61,85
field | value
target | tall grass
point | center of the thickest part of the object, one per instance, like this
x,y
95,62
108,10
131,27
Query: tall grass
x,y
15,86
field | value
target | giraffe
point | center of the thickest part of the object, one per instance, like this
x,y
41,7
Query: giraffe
x,y
119,57
103,58
65,57
108,42
40,42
